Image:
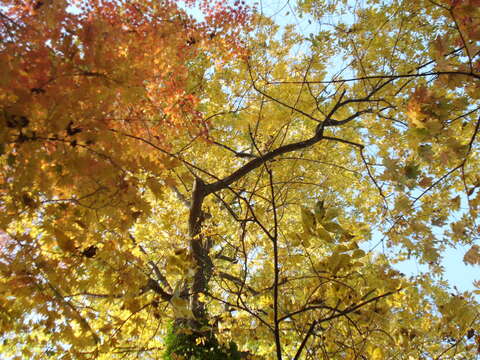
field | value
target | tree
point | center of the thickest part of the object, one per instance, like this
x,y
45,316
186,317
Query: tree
x,y
211,189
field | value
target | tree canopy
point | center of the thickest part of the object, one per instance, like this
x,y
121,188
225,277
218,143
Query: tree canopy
x,y
196,180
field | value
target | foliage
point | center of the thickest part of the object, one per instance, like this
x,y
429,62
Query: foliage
x,y
238,176
179,342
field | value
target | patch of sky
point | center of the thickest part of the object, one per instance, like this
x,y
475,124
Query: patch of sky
x,y
286,14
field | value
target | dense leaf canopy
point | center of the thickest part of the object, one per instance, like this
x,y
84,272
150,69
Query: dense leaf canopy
x,y
194,180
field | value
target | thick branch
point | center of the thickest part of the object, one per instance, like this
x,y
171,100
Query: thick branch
x,y
195,217
198,249
257,162
153,285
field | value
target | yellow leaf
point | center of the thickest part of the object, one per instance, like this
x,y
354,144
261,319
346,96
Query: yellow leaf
x,y
308,220
294,239
202,297
155,187
472,256
170,181
353,245
358,253
331,214
333,227
64,242
180,307
341,248
377,354
133,305
338,261
324,234
319,210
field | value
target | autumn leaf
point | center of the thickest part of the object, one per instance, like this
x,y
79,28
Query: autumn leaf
x,y
64,242
472,256
308,220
